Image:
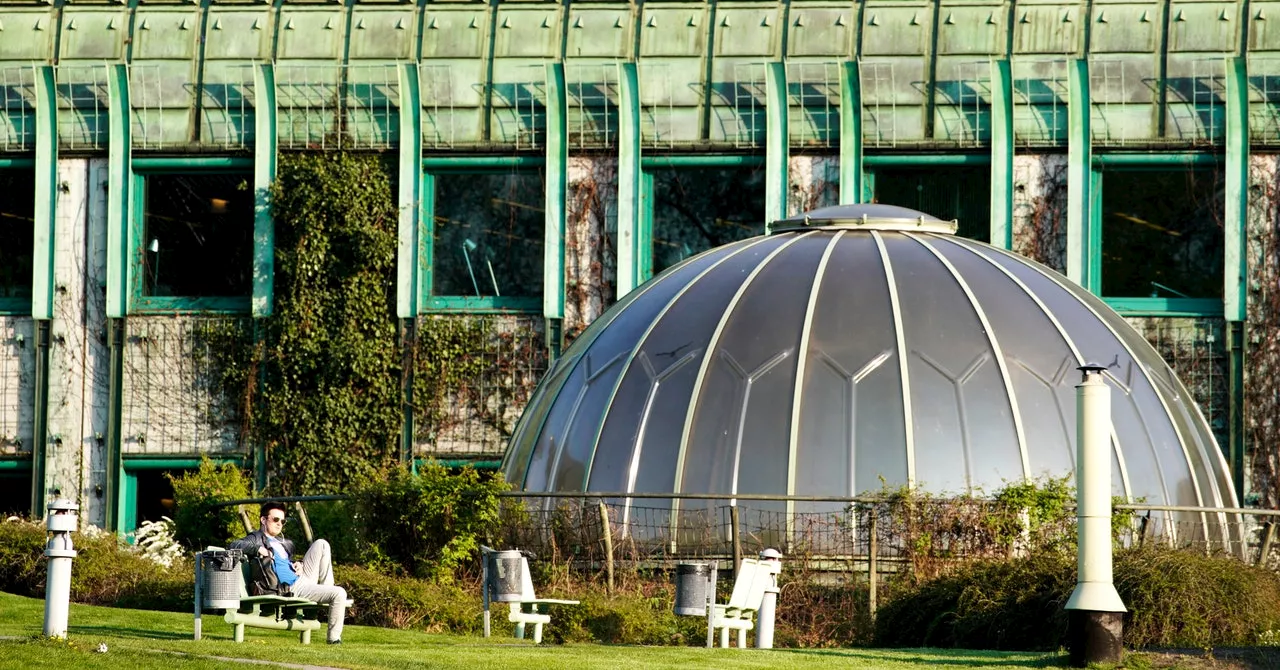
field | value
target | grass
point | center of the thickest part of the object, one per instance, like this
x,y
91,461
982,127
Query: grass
x,y
162,640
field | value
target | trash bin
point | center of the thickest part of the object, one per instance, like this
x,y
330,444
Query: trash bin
x,y
506,576
692,580
221,586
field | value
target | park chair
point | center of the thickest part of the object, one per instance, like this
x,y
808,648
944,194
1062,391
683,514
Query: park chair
x,y
752,578
519,616
271,612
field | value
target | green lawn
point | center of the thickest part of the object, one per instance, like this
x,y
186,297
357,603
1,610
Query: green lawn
x,y
162,640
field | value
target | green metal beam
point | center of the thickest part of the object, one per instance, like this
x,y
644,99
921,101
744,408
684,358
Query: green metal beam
x,y
40,420
649,162
1079,172
851,186
1236,211
557,193
202,163
264,174
16,163
629,177
119,186
776,142
410,186
1002,154
1156,161
15,464
133,463
479,163
46,194
925,160
114,499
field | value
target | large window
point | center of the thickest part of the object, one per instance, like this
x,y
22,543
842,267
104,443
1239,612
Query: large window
x,y
960,192
487,231
693,209
1160,233
195,239
17,238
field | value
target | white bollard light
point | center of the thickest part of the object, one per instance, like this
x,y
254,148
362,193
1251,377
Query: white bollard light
x,y
61,524
768,607
1095,613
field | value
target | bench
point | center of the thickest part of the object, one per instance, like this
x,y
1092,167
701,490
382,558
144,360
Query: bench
x,y
518,614
270,612
750,582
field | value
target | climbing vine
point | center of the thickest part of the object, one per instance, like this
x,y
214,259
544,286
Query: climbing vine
x,y
1262,335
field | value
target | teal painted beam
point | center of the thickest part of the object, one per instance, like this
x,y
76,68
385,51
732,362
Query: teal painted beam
x,y
264,174
1079,173
1167,307
557,192
408,234
15,465
776,142
119,187
1002,154
133,464
649,162
16,163
1235,222
1156,160
629,177
851,179
202,163
46,194
480,163
925,160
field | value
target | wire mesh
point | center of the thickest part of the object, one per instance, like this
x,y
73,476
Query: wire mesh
x,y
813,89
371,106
83,103
966,116
152,97
17,377
1040,98
439,121
1264,100
308,104
17,108
173,399
1197,104
746,126
593,104
519,106
226,105
657,105
879,104
469,405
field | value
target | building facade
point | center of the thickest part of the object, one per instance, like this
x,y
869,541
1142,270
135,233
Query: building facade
x,y
552,156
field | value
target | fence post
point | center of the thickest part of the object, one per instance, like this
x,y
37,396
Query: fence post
x,y
873,548
1267,539
306,523
606,533
734,539
244,518
1142,529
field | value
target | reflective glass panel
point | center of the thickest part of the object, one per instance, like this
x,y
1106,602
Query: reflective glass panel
x,y
1162,233
489,231
962,193
17,232
695,209
197,237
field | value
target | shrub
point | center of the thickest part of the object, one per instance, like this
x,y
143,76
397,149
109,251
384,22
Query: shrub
x,y
198,521
406,602
1175,598
427,524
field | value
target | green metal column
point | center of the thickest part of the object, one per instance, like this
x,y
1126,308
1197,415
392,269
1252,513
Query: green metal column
x,y
1235,288
119,192
46,194
1079,173
409,243
776,142
1001,154
629,177
40,431
114,499
264,173
851,188
557,193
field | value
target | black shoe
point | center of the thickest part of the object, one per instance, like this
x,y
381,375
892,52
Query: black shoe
x,y
335,641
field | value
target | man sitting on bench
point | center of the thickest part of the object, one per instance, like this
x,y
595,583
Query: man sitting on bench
x,y
312,578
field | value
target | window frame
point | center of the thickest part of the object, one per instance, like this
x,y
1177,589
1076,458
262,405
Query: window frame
x,y
132,463
1144,162
140,169
454,165
19,306
873,163
648,164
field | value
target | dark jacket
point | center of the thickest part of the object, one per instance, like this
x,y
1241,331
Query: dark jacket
x,y
263,570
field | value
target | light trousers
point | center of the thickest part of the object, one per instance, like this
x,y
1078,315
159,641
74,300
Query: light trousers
x,y
315,582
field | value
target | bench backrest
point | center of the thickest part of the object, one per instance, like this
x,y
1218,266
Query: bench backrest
x,y
526,581
754,576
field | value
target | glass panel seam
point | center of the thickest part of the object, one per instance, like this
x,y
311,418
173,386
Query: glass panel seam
x,y
900,342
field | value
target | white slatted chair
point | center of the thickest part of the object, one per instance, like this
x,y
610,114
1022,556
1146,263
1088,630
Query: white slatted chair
x,y
519,616
754,576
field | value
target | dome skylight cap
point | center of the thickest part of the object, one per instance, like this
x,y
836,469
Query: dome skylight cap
x,y
866,217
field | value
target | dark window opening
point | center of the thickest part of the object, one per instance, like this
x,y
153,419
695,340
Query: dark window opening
x,y
960,193
197,238
1162,233
15,494
695,209
489,234
17,232
154,494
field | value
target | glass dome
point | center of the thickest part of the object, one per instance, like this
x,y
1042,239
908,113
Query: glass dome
x,y
855,347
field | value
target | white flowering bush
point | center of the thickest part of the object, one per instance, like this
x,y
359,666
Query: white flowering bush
x,y
155,541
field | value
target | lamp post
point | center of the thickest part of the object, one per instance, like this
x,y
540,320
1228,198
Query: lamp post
x,y
1095,613
59,550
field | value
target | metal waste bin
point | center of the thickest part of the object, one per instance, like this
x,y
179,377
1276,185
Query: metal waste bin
x,y
220,570
506,576
692,580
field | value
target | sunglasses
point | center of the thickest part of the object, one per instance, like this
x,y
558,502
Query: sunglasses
x,y
276,519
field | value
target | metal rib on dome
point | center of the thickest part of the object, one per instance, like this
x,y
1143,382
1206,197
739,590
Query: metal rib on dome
x,y
828,358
